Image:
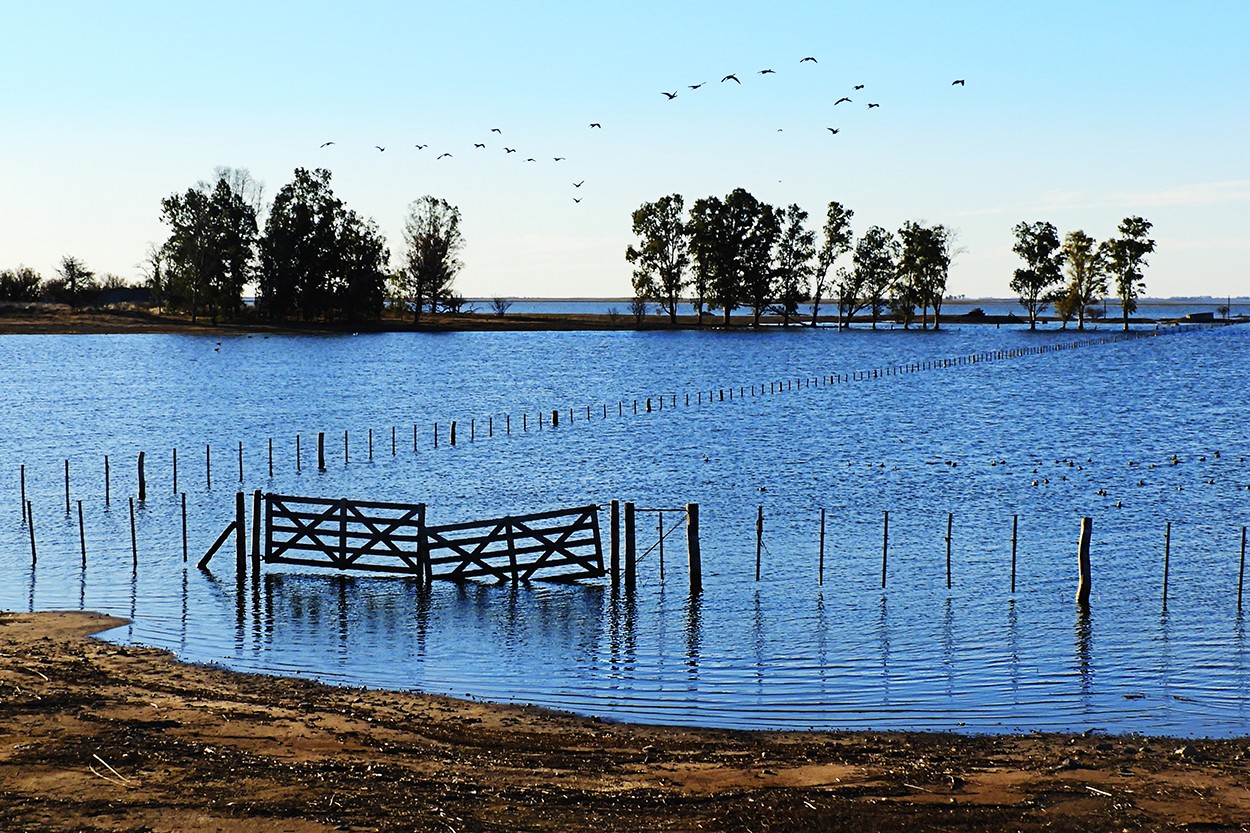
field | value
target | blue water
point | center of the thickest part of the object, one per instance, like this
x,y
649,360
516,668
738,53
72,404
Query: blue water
x,y
1045,438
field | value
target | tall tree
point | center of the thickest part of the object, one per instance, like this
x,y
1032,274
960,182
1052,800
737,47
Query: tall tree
x,y
836,241
731,241
924,265
662,255
210,251
20,284
1126,259
876,264
1087,273
433,244
793,268
75,284
318,258
1038,244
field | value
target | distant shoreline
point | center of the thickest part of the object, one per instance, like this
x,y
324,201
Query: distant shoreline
x,y
50,319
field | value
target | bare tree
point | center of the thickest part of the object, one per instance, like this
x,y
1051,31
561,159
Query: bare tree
x,y
500,306
433,239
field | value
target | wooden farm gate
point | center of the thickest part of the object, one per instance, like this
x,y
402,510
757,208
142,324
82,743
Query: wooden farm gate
x,y
561,545
564,544
344,534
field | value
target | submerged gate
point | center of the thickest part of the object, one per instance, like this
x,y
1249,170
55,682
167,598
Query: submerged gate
x,y
343,534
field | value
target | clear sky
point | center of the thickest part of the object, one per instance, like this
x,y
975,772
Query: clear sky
x,y
1080,113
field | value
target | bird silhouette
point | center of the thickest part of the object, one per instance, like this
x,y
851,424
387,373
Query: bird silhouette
x,y
671,96
809,58
596,124
478,145
510,150
729,77
577,199
696,86
326,144
531,159
870,106
557,159
859,86
579,184
958,81
766,72
495,130
380,148
834,130
441,155
421,147
840,100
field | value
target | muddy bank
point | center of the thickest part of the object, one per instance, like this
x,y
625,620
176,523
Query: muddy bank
x,y
97,737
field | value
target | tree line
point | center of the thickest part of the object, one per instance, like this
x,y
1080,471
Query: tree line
x,y
312,258
1089,265
738,252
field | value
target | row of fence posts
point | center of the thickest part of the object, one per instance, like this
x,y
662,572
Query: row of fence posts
x,y
712,395
238,528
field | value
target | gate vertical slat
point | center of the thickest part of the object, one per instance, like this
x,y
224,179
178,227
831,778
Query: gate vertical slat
x,y
342,555
511,537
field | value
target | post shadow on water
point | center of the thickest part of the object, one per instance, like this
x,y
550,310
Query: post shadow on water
x,y
1083,633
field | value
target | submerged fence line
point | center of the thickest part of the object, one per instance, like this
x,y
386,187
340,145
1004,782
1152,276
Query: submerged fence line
x,y
589,413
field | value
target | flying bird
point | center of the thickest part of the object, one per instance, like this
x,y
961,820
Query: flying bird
x,y
510,150
421,147
478,145
577,199
671,96
729,77
870,106
696,86
557,159
834,130
441,155
326,144
809,58
958,81
531,159
766,72
380,148
840,100
859,86
495,130
579,184
596,124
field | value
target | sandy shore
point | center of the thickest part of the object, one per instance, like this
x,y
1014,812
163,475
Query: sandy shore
x,y
98,737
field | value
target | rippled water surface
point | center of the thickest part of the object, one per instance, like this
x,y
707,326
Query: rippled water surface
x,y
1044,439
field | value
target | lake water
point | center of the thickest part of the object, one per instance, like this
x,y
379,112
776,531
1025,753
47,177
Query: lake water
x,y
1046,438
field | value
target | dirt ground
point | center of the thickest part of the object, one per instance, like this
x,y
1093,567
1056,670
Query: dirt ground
x,y
97,737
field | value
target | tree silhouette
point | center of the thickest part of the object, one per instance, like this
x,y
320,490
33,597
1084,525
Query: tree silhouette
x,y
662,255
433,243
1038,244
837,241
1126,259
793,269
1087,274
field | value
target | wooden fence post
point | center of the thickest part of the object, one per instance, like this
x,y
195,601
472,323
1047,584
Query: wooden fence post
x,y
82,536
240,534
346,449
1167,557
885,545
107,490
614,539
184,527
30,525
694,557
555,417
1241,571
1015,523
67,509
631,566
321,451
256,496
820,572
1082,552
453,432
208,468
950,522
240,461
759,537
270,459
143,481
299,466
134,541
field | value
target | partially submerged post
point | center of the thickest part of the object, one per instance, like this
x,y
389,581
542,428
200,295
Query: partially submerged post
x,y
759,538
631,566
321,451
134,541
1241,571
82,536
1167,557
240,532
820,572
256,495
885,545
614,538
143,481
1082,552
694,557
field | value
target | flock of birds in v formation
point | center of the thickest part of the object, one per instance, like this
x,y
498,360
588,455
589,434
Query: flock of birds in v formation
x,y
594,125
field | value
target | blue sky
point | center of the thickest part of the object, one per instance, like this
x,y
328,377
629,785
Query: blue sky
x,y
1076,113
